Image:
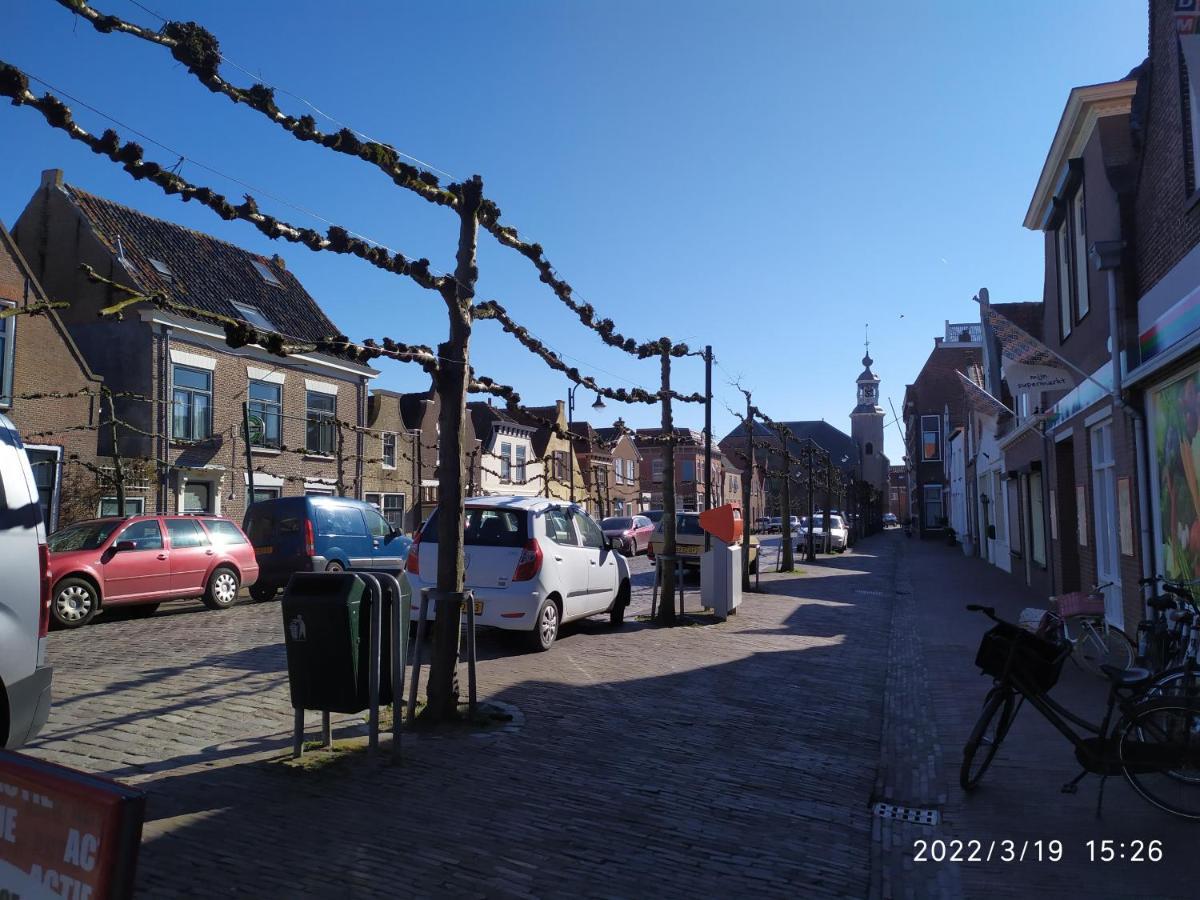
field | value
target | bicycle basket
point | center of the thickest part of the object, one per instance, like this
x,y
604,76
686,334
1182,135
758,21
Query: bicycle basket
x,y
1078,603
1011,650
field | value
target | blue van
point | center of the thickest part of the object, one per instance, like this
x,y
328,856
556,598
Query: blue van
x,y
318,534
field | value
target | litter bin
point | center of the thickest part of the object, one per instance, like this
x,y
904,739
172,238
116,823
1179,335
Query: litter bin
x,y
326,625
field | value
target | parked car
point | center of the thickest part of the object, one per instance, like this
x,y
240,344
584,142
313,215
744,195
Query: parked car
x,y
839,535
319,534
532,565
141,561
25,676
689,541
762,524
654,515
775,526
632,531
890,520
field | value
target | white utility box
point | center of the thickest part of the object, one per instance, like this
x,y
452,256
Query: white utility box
x,y
721,578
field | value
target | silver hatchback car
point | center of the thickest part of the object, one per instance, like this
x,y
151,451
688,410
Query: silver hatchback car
x,y
25,601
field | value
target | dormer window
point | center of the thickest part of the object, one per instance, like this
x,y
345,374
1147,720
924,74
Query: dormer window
x,y
267,275
161,268
251,315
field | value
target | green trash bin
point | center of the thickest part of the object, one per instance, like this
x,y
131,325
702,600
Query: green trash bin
x,y
326,626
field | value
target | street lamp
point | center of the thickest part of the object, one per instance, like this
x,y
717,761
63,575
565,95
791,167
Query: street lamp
x,y
599,404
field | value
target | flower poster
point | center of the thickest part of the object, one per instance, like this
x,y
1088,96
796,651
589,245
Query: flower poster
x,y
1176,421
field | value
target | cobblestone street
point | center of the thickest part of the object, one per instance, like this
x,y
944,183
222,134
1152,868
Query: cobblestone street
x,y
725,759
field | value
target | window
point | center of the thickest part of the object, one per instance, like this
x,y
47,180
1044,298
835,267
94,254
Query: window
x,y
252,315
44,463
870,449
559,460
931,438
999,507
1190,45
145,535
134,506
519,473
506,462
161,268
1037,522
266,414
687,470
197,497
559,528
267,275
389,451
391,506
265,493
321,432
590,532
376,524
185,533
7,327
192,404
1063,254
656,470
340,520
933,505
1079,229
224,534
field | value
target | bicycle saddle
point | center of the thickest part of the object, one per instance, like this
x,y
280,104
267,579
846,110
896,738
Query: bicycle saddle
x,y
1161,603
1126,677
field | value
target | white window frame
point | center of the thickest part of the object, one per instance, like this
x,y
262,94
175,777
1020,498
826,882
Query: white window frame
x,y
1189,44
941,502
520,462
658,467
56,490
140,501
8,329
268,407
384,453
211,393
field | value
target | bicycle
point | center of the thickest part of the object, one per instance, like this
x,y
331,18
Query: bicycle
x,y
1154,744
1095,642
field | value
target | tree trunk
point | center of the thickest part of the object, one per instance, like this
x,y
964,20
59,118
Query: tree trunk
x,y
810,549
789,556
452,381
666,606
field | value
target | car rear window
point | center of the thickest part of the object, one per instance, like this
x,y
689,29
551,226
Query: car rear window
x,y
617,523
485,527
224,533
261,528
688,525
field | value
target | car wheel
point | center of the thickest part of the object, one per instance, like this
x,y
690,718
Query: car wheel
x,y
263,592
616,613
222,589
75,603
335,566
754,566
545,628
633,548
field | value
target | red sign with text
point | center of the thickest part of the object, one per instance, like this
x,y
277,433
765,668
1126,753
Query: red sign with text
x,y
64,833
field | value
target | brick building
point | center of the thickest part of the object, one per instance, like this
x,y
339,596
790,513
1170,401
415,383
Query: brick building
x,y
185,427
627,496
689,466
594,457
563,477
898,493
38,357
934,407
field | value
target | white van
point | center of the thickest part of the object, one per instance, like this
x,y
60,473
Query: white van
x,y
24,597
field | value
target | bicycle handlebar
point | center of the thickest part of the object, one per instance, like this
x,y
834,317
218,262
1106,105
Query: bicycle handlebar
x,y
989,611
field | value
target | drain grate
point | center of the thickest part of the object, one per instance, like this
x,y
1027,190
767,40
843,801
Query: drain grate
x,y
907,814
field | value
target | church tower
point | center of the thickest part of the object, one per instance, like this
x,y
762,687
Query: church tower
x,y
866,425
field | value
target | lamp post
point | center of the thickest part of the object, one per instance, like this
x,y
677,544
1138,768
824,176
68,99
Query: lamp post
x,y
599,404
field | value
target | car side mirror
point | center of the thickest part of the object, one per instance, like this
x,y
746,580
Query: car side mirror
x,y
121,546
614,544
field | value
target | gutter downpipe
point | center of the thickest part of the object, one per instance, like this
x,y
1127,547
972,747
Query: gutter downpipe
x,y
1106,256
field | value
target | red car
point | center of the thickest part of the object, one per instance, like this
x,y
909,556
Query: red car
x,y
142,560
633,532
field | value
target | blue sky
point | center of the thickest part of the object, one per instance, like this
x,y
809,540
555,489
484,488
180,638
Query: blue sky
x,y
766,177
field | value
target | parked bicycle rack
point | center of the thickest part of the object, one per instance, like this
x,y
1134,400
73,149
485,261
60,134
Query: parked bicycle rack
x,y
468,602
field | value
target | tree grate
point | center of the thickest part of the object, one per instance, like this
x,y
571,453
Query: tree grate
x,y
907,814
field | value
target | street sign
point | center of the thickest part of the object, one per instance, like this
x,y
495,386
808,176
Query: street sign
x,y
65,833
256,428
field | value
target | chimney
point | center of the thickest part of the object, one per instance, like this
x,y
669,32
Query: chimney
x,y
937,342
52,178
278,260
561,406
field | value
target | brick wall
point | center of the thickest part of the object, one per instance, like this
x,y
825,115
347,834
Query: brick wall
x,y
1166,221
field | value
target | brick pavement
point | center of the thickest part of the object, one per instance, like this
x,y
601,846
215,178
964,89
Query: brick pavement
x,y
734,758
934,694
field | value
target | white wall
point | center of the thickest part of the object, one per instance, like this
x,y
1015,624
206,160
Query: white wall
x,y
489,479
957,508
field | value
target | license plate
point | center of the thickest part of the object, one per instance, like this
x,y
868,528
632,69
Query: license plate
x,y
688,550
478,607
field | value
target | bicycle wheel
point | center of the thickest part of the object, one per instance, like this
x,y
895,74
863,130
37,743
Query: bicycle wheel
x,y
1099,644
1181,684
1159,748
994,721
